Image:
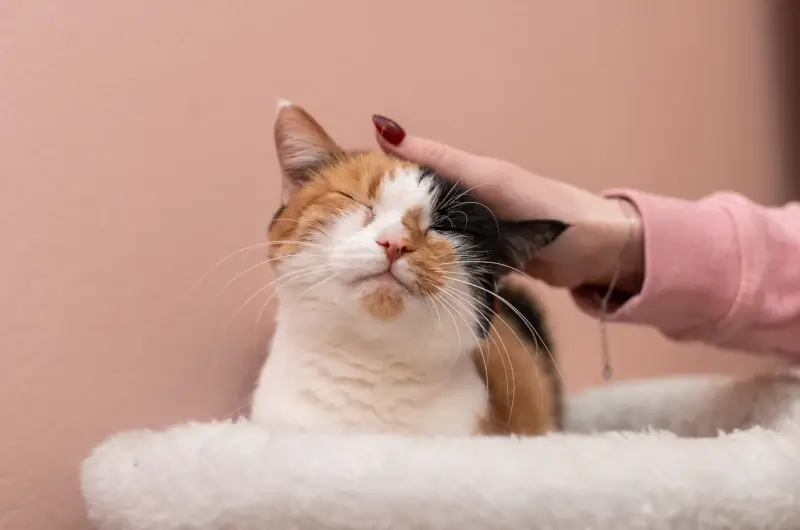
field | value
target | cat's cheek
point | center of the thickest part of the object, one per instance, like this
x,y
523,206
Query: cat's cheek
x,y
292,263
432,263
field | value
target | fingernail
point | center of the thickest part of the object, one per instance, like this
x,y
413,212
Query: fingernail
x,y
388,129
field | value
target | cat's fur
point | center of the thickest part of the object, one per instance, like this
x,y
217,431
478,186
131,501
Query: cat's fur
x,y
421,345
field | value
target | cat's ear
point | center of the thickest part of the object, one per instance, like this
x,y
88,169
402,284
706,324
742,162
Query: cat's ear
x,y
523,239
302,146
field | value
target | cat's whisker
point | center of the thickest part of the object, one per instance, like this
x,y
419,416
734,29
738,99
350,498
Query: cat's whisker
x,y
265,262
446,199
477,341
226,258
443,293
295,274
458,350
496,222
259,264
328,278
451,271
492,263
265,304
261,244
434,299
466,218
510,390
297,221
275,292
461,194
429,300
455,324
522,317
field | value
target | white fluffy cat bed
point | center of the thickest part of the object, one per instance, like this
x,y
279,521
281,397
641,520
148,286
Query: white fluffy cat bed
x,y
710,453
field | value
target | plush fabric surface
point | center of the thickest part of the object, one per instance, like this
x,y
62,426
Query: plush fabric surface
x,y
710,454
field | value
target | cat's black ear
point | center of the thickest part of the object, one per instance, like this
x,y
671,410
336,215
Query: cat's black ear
x,y
523,239
302,145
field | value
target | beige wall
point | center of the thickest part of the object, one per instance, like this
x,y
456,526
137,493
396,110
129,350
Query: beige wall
x,y
135,151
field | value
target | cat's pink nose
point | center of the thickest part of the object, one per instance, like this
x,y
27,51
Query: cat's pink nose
x,y
394,247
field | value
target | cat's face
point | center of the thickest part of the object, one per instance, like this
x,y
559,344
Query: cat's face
x,y
365,234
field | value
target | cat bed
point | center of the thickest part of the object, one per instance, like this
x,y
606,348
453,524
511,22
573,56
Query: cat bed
x,y
701,453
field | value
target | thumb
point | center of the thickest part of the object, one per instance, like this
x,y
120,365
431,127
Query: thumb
x,y
471,169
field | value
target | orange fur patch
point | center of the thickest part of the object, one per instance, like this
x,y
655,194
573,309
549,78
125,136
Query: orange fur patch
x,y
384,303
432,262
522,389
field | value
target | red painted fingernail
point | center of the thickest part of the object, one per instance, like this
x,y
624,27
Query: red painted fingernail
x,y
388,129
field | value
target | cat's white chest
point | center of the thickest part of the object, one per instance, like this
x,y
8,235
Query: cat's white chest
x,y
328,393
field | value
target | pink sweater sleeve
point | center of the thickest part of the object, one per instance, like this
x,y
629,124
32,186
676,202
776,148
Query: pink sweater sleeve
x,y
721,270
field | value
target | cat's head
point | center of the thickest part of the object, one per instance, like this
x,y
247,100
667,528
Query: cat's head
x,y
378,241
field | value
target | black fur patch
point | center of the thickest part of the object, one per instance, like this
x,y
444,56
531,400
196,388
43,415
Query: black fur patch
x,y
494,247
456,212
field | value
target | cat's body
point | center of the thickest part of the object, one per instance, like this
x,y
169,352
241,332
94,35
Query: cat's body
x,y
342,385
387,320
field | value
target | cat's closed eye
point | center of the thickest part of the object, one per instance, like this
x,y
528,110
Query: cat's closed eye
x,y
343,194
369,215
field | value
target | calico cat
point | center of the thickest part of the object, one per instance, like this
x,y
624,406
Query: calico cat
x,y
389,317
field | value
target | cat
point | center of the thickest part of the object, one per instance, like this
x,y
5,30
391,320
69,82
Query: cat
x,y
388,316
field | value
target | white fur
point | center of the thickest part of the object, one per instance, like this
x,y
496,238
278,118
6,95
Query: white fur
x,y
221,475
334,366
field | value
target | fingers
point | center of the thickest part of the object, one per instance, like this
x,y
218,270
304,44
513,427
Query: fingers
x,y
469,168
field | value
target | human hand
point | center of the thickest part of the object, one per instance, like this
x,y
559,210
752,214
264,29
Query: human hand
x,y
605,236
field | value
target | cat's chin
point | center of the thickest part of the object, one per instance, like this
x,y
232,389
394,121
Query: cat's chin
x,y
382,280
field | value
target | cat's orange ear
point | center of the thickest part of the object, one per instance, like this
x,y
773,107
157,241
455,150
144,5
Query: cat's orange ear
x,y
303,146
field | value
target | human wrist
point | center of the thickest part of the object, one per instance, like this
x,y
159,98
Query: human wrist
x,y
619,239
631,259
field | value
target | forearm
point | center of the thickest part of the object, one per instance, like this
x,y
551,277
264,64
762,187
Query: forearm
x,y
721,270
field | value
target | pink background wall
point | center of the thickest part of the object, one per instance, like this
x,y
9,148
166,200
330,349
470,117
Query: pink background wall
x,y
135,151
